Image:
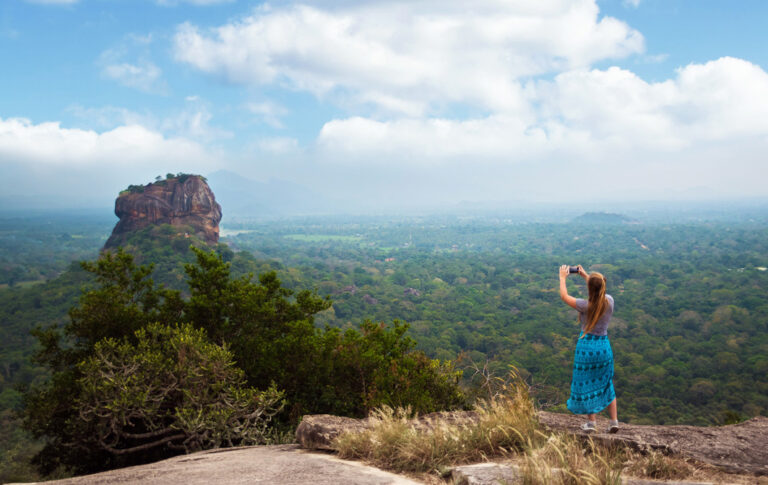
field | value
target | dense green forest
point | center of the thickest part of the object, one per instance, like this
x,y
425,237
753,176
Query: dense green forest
x,y
35,248
139,370
690,329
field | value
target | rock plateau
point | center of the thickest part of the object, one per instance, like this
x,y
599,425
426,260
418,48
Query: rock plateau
x,y
184,201
737,448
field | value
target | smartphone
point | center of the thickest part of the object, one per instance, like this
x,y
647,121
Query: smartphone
x,y
573,269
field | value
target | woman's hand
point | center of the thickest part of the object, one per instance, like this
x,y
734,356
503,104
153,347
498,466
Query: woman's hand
x,y
564,271
583,273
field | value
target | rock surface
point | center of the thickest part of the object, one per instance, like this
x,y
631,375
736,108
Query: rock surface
x,y
283,464
509,474
179,201
486,474
738,448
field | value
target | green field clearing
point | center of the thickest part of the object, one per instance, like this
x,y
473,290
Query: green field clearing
x,y
323,237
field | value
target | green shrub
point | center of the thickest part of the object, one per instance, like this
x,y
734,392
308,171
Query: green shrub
x,y
172,388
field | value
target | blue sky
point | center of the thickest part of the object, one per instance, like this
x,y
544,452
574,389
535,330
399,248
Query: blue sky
x,y
421,102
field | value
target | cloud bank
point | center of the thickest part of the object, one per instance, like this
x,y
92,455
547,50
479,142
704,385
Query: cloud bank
x,y
509,86
434,101
409,57
49,160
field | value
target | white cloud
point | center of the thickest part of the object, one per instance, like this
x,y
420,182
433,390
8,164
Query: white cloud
x,y
721,100
655,58
632,3
144,77
194,123
409,57
129,63
582,111
708,126
268,112
108,117
430,141
49,144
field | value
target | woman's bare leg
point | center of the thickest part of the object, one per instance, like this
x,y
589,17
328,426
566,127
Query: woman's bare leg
x,y
592,417
613,411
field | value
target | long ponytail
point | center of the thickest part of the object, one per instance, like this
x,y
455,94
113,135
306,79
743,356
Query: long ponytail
x,y
597,301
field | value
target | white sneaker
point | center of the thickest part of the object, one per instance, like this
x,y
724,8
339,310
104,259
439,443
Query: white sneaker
x,y
589,427
614,427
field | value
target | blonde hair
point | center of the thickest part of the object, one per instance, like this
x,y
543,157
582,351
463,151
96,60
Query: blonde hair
x,y
597,301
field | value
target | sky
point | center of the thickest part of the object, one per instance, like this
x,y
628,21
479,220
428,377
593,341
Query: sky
x,y
379,103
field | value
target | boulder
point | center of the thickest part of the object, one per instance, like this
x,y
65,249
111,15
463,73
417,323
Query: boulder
x,y
317,431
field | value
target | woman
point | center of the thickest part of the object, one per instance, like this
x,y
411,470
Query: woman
x,y
592,383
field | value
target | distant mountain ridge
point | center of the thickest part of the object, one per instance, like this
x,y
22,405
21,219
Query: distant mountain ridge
x,y
245,197
604,218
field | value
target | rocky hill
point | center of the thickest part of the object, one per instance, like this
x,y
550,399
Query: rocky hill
x,y
604,218
184,201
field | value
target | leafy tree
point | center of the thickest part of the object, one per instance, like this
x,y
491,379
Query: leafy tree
x,y
379,366
125,301
274,340
129,386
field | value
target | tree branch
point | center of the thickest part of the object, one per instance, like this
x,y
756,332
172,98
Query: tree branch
x,y
145,446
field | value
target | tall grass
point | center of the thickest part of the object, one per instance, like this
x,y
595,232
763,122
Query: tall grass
x,y
502,426
654,464
566,460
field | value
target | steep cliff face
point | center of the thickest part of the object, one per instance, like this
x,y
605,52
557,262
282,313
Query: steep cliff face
x,y
184,201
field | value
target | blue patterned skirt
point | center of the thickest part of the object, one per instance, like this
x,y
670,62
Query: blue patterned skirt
x,y
592,383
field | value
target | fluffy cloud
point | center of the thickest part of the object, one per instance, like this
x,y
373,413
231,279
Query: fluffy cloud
x,y
721,100
587,113
410,57
49,144
607,129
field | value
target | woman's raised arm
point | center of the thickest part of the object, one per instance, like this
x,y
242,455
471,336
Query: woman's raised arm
x,y
568,299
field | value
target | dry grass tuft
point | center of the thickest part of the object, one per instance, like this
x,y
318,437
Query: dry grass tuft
x,y
565,459
657,465
505,425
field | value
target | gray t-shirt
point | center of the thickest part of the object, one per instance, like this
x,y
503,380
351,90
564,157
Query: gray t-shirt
x,y
601,327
